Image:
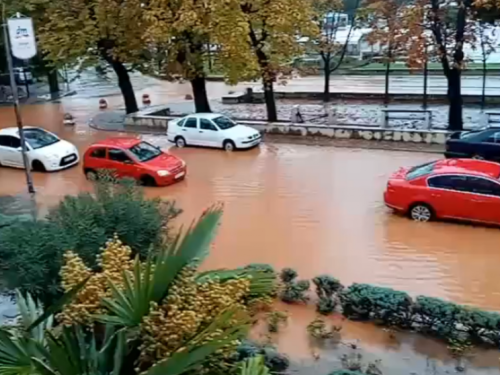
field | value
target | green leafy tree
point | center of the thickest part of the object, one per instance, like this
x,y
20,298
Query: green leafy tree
x,y
182,28
258,40
79,33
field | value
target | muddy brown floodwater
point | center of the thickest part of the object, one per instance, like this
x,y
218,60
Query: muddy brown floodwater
x,y
316,209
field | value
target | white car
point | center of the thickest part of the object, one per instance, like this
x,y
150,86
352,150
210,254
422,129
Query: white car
x,y
45,151
211,130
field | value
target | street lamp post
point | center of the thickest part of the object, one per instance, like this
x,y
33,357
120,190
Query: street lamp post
x,y
15,99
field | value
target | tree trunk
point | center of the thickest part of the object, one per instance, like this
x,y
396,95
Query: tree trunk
x,y
125,86
201,103
387,73
53,81
455,120
483,91
272,115
326,90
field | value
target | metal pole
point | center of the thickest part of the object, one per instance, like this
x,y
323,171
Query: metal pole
x,y
26,84
15,98
426,73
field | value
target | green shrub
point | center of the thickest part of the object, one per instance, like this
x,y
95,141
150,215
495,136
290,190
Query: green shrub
x,y
288,275
480,326
30,257
275,361
346,372
368,302
116,208
436,316
31,251
326,288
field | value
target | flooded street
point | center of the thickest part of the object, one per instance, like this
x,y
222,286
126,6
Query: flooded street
x,y
315,209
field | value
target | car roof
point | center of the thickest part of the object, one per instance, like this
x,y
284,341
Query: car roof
x,y
121,142
208,116
14,130
467,166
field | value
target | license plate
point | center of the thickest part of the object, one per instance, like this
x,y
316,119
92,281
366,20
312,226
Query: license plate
x,y
179,175
69,158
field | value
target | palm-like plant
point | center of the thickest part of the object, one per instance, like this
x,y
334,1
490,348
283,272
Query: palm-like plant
x,y
36,348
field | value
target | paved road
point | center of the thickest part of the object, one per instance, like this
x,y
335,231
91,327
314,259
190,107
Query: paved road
x,y
92,86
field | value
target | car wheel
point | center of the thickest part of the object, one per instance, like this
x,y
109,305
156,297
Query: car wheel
x,y
421,212
477,157
180,142
91,175
229,145
38,166
148,181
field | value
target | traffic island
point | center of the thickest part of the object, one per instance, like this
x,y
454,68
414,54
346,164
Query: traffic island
x,y
156,120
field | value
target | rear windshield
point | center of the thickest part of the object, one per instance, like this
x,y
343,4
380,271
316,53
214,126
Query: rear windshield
x,y
420,170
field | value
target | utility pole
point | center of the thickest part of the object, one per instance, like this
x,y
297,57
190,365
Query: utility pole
x,y
15,99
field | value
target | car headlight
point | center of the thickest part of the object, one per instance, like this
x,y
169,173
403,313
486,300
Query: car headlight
x,y
163,173
183,163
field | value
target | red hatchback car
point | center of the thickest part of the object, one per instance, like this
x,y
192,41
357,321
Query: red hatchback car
x,y
463,189
131,157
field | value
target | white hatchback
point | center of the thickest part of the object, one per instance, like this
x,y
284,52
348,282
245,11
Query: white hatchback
x,y
211,130
45,151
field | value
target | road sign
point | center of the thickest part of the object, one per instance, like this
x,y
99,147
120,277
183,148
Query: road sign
x,y
22,38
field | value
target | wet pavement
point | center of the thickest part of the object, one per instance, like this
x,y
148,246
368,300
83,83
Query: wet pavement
x,y
316,209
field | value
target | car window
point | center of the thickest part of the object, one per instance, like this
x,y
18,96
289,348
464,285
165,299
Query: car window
x,y
457,182
145,151
118,155
480,185
9,141
181,122
493,138
99,153
207,125
224,122
191,123
39,138
420,170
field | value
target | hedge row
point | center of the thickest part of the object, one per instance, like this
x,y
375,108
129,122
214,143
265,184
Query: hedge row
x,y
428,315
394,308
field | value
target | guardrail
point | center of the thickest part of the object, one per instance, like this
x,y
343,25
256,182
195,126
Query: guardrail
x,y
424,115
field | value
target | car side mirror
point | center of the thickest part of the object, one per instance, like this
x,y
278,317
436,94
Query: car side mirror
x,y
20,149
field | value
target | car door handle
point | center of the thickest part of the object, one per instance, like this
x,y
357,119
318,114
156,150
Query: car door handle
x,y
183,130
200,131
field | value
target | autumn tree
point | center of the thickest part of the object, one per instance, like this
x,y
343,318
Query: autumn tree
x,y
259,39
447,26
182,27
327,42
385,18
83,32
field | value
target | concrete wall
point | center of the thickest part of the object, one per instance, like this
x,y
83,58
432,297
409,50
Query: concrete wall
x,y
157,123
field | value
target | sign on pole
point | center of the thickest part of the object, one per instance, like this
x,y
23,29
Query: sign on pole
x,y
22,38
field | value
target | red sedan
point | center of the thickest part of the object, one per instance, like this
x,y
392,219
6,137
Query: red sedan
x,y
131,157
463,189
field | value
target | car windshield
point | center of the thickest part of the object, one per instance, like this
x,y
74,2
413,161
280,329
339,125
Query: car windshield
x,y
145,151
224,123
38,138
420,170
466,135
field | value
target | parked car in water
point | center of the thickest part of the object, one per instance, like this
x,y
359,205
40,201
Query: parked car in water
x,y
463,189
481,144
134,158
45,150
212,130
